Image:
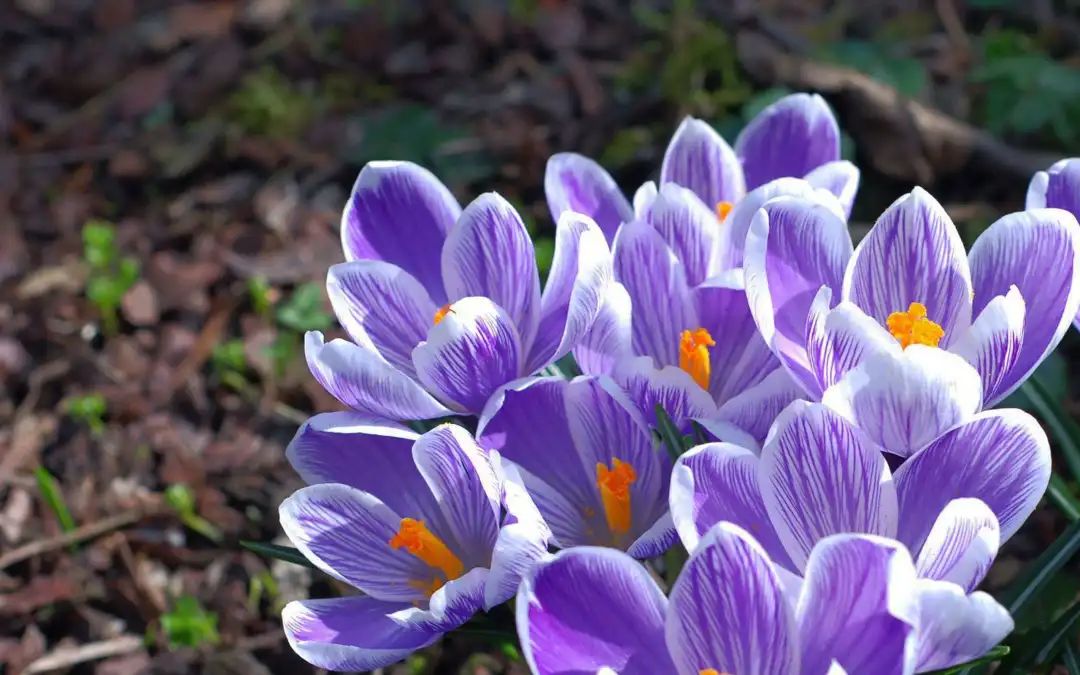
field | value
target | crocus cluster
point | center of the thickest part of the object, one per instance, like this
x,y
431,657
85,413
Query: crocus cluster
x,y
850,484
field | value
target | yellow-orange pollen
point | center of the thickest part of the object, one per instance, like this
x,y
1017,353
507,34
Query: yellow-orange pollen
x,y
694,354
417,539
441,313
723,210
913,328
710,671
614,484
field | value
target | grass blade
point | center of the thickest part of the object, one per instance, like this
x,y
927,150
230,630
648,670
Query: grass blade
x,y
670,434
1062,495
286,553
995,654
1042,569
1071,658
54,498
1063,428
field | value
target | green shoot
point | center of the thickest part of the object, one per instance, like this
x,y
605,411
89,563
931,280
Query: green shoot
x,y
110,274
181,500
187,624
54,498
89,410
304,310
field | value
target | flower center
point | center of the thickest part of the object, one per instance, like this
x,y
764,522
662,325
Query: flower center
x,y
723,209
710,671
614,484
694,355
440,314
913,328
417,539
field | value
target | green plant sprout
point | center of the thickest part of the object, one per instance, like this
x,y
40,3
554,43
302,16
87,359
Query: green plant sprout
x,y
260,293
111,275
89,410
54,498
229,364
180,499
187,624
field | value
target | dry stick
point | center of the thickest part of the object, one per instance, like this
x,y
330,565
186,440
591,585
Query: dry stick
x,y
79,534
69,656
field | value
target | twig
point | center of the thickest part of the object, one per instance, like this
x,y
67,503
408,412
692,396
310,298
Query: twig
x,y
65,657
78,535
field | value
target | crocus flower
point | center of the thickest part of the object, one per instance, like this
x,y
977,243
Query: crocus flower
x,y
590,610
428,528
951,504
795,137
444,306
1058,188
1003,307
586,456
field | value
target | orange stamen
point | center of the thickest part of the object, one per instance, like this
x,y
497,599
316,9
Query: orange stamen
x,y
417,539
913,328
614,484
723,209
441,313
694,355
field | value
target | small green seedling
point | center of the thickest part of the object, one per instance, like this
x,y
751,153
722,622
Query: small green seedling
x,y
89,410
54,498
187,624
111,275
304,310
260,293
181,500
229,364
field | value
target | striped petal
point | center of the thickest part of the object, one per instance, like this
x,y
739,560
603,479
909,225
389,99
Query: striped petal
x,y
791,137
698,158
573,182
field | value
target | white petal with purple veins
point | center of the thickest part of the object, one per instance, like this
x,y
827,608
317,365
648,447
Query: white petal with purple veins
x,y
841,338
573,182
755,410
608,340
367,383
670,387
698,158
993,343
961,545
840,178
791,137
905,400
955,628
688,226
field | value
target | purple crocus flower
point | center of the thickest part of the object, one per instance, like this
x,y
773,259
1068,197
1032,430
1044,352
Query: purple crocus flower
x,y
1058,188
443,305
428,528
795,137
590,610
951,504
586,456
1003,307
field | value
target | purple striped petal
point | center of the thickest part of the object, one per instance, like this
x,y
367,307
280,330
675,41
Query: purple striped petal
x,y
1001,457
913,254
718,482
699,159
660,297
955,628
370,455
840,178
740,358
994,342
904,400
588,609
400,212
669,387
473,351
688,226
858,606
840,339
346,533
1039,252
791,137
755,410
354,633
606,426
581,274
467,489
489,254
608,340
795,246
560,481
735,227
820,476
961,545
644,196
1057,188
728,610
367,383
576,183
522,542
382,307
